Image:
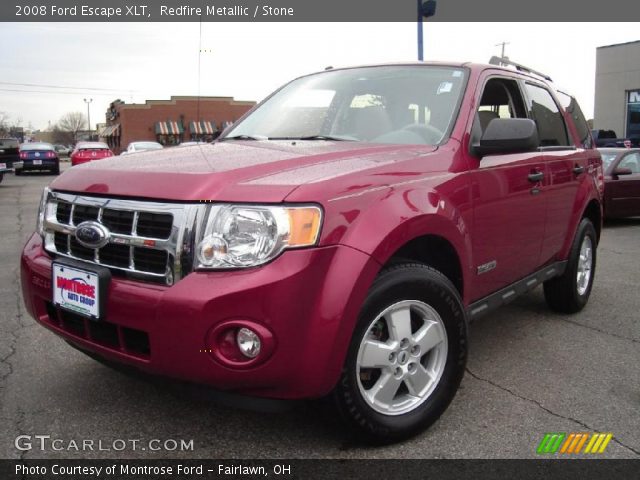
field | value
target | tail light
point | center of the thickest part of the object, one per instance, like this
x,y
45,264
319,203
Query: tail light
x,y
23,155
51,155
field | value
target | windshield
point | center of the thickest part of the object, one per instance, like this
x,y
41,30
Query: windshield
x,y
36,146
92,146
147,146
389,104
607,158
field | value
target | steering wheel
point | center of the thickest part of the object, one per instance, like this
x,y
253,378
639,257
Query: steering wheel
x,y
430,133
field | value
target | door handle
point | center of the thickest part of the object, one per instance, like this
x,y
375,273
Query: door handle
x,y
577,170
536,177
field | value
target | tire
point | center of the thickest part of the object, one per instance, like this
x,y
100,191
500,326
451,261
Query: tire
x,y
568,293
17,172
1,177
56,170
423,300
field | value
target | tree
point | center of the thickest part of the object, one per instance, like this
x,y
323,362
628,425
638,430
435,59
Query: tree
x,y
71,123
4,124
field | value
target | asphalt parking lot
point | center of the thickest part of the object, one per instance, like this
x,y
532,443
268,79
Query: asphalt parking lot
x,y
530,372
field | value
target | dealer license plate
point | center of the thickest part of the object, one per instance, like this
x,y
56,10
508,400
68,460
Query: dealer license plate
x,y
37,162
3,166
76,290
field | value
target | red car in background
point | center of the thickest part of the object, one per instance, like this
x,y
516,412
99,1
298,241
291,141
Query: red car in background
x,y
621,182
88,151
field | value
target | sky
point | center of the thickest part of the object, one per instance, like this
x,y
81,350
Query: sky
x,y
144,61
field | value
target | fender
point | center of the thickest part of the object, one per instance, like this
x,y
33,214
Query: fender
x,y
587,192
423,207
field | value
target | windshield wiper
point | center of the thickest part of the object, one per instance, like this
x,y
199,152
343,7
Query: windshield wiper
x,y
244,137
316,137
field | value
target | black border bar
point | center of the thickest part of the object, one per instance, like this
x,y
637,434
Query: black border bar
x,y
315,11
547,469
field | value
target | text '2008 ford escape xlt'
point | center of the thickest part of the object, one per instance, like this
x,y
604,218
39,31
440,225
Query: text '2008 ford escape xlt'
x,y
337,239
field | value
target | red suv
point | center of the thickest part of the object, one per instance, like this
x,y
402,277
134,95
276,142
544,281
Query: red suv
x,y
337,239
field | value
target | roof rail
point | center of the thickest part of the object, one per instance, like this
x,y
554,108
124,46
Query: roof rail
x,y
505,61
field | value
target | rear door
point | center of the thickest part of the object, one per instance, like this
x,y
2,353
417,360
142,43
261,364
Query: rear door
x,y
624,190
566,164
508,199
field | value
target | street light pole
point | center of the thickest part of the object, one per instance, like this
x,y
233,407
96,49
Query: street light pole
x,y
89,115
420,35
426,8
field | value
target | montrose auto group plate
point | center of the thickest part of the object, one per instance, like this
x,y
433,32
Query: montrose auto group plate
x,y
76,290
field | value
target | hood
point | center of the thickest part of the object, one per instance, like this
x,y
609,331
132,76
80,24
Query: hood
x,y
264,171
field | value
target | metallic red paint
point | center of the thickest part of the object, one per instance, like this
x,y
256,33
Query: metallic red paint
x,y
376,199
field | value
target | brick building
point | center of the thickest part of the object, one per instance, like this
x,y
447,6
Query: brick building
x,y
169,122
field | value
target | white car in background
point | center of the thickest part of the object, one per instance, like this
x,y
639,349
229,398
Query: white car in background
x,y
135,147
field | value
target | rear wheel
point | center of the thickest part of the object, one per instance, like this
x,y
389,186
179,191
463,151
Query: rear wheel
x,y
18,172
570,292
406,357
1,177
56,170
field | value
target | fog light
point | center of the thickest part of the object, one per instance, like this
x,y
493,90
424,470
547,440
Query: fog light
x,y
248,342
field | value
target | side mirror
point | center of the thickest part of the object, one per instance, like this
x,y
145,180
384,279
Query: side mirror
x,y
622,171
508,135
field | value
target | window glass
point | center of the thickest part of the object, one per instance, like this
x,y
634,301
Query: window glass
x,y
633,115
572,107
607,158
500,98
8,143
632,162
390,104
544,111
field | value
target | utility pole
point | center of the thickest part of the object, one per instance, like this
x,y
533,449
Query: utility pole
x,y
503,45
89,115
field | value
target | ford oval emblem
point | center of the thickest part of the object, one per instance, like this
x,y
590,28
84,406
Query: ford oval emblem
x,y
92,234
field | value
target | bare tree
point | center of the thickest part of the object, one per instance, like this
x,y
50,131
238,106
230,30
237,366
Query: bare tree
x,y
4,123
60,136
72,123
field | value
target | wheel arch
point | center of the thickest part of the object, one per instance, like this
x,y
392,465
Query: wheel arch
x,y
593,211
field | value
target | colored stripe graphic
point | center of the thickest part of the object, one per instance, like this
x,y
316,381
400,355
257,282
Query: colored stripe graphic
x,y
598,443
550,443
572,443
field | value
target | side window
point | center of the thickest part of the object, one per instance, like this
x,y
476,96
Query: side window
x,y
546,114
632,162
572,107
500,98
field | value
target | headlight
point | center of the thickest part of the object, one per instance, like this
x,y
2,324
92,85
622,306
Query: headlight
x,y
42,211
238,236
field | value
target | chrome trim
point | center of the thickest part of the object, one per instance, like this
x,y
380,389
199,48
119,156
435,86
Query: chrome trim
x,y
179,246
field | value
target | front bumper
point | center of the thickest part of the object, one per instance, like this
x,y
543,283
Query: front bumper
x,y
307,299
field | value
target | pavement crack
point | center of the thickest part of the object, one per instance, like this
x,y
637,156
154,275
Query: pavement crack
x,y
15,333
551,412
595,329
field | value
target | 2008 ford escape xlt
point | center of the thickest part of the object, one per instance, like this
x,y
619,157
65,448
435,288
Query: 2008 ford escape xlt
x,y
337,239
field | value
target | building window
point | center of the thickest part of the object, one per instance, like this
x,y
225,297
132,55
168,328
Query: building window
x,y
633,114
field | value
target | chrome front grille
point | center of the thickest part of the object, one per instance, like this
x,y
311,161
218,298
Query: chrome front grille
x,y
151,241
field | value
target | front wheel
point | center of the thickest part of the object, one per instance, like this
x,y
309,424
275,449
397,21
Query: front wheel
x,y
570,292
407,354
